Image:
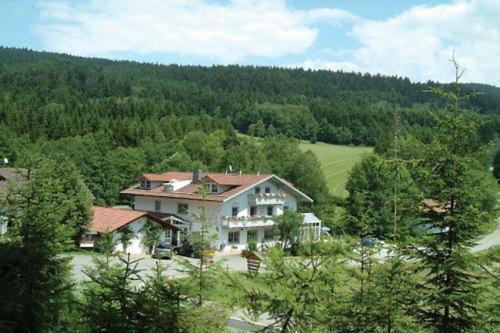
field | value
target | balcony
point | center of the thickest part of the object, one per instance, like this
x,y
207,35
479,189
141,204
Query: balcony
x,y
266,199
247,221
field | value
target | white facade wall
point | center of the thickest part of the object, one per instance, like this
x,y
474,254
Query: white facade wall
x,y
170,205
136,246
217,210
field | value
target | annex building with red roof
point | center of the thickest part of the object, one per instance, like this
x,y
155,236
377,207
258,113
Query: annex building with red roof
x,y
114,220
240,207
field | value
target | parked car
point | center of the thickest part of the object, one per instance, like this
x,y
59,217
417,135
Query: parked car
x,y
370,241
185,250
163,251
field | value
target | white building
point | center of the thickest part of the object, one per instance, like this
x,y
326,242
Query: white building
x,y
114,220
240,207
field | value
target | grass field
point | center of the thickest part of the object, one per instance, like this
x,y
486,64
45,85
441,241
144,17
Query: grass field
x,y
336,161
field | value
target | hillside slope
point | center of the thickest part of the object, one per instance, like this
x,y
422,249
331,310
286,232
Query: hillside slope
x,y
333,107
336,162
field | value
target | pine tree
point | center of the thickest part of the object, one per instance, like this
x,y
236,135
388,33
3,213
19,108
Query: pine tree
x,y
110,297
201,273
152,235
451,179
34,279
301,293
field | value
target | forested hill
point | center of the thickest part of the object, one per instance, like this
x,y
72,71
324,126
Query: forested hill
x,y
336,107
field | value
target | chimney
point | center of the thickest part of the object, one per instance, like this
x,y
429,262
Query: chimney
x,y
196,175
168,187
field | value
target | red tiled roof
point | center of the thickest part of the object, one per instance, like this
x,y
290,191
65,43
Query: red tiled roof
x,y
236,182
190,191
110,219
167,176
232,179
434,206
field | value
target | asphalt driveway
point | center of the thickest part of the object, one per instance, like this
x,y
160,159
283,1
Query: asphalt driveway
x,y
146,264
231,261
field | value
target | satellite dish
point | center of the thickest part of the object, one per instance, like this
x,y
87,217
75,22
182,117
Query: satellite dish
x,y
6,160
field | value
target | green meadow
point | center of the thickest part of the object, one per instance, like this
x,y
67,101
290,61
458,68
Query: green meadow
x,y
336,161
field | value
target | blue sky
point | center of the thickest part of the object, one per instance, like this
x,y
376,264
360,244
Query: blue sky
x,y
412,38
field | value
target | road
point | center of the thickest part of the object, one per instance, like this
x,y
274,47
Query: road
x,y
490,240
232,261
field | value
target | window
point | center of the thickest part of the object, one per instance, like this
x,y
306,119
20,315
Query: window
x,y
145,184
168,235
251,235
268,234
253,211
234,211
214,188
267,190
257,190
285,208
270,210
233,237
182,208
157,205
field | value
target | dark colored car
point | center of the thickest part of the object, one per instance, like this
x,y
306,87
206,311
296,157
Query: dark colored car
x,y
369,241
185,250
163,251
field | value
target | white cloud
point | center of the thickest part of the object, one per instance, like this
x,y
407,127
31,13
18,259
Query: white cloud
x,y
225,32
331,15
419,42
416,43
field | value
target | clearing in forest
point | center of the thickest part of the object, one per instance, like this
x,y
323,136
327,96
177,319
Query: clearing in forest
x,y
336,161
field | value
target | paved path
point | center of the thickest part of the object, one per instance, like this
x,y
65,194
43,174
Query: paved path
x,y
232,261
490,240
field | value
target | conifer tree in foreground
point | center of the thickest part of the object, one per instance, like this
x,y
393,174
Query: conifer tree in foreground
x,y
300,293
453,183
34,278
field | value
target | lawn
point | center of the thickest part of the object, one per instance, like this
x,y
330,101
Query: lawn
x,y
336,161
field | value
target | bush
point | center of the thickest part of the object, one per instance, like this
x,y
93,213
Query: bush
x,y
252,245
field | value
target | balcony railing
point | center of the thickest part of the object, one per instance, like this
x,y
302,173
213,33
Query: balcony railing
x,y
267,199
247,221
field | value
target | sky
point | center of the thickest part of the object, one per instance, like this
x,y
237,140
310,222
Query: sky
x,y
409,38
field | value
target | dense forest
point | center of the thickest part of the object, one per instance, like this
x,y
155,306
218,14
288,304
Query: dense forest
x,y
335,107
114,119
427,192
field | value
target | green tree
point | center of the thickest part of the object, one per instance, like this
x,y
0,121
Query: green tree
x,y
258,129
166,306
201,274
303,296
35,286
288,226
152,235
110,302
164,303
370,185
126,236
496,166
450,177
106,244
